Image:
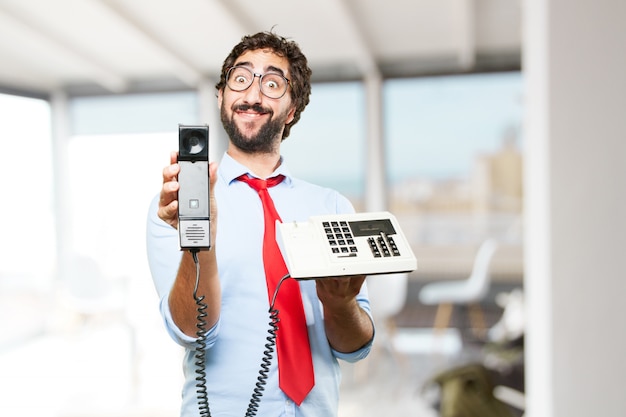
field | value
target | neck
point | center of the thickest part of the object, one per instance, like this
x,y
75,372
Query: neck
x,y
262,164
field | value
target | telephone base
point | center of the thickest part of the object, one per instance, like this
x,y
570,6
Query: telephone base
x,y
345,245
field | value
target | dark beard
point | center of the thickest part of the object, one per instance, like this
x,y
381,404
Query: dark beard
x,y
263,141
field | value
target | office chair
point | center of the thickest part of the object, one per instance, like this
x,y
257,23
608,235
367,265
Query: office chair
x,y
387,294
470,291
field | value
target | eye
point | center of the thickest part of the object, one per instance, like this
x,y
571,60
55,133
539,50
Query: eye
x,y
240,76
273,81
240,79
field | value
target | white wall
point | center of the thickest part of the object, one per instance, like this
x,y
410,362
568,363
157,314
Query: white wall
x,y
575,69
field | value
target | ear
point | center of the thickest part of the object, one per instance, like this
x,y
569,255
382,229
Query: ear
x,y
220,98
290,115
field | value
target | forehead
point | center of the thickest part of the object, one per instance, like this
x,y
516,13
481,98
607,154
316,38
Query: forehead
x,y
263,60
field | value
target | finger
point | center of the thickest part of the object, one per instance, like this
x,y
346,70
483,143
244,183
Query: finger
x,y
213,173
168,210
358,280
213,202
169,213
170,172
169,193
331,285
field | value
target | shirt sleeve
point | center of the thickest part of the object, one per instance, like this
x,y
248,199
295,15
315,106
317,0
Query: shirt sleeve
x,y
361,353
164,257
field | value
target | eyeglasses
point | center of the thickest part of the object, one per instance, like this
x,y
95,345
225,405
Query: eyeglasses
x,y
273,85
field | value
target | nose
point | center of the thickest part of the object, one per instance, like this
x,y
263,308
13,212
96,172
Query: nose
x,y
253,93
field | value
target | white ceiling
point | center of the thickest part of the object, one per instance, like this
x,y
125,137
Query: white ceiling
x,y
116,46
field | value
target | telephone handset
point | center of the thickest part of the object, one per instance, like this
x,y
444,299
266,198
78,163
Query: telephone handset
x,y
345,244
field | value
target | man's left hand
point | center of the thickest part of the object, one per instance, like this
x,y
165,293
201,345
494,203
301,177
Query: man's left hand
x,y
335,292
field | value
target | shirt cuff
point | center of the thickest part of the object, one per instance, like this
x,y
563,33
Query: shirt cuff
x,y
178,335
361,353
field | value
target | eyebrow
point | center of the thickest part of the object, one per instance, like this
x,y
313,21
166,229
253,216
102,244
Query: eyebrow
x,y
269,68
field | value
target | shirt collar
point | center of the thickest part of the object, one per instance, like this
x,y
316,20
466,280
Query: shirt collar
x,y
230,170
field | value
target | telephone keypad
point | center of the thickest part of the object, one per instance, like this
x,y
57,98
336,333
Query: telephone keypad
x,y
341,241
340,238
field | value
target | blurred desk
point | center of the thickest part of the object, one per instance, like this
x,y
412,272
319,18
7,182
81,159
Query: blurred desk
x,y
454,261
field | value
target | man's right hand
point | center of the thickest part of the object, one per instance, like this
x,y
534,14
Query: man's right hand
x,y
168,200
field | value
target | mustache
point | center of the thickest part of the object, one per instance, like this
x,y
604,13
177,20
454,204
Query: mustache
x,y
254,107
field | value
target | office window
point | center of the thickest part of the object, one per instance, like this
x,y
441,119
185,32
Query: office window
x,y
27,209
118,149
454,155
327,145
27,241
445,122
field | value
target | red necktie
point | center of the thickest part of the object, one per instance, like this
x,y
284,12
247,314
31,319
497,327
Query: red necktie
x,y
295,365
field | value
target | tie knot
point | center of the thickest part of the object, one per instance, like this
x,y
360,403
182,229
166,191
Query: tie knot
x,y
259,184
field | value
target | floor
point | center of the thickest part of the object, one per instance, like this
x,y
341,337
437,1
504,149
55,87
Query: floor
x,y
91,369
395,383
89,375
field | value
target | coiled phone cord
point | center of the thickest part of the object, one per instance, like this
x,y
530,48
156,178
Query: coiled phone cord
x,y
255,400
201,391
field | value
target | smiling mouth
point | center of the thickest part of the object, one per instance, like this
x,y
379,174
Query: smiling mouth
x,y
250,114
253,110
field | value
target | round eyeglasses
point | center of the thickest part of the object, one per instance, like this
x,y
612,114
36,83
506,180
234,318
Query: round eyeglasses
x,y
273,85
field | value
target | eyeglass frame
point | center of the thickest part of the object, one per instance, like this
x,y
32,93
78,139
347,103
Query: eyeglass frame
x,y
254,75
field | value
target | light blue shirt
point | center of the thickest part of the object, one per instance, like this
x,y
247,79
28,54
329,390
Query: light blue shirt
x,y
236,343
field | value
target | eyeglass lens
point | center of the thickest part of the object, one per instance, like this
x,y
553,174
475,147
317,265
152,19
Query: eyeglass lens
x,y
273,85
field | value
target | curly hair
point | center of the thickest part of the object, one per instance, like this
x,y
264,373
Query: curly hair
x,y
299,71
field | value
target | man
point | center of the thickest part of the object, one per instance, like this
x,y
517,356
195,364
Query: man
x,y
257,115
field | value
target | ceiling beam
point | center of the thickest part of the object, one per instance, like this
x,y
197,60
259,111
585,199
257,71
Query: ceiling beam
x,y
102,74
467,34
239,16
366,61
185,71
